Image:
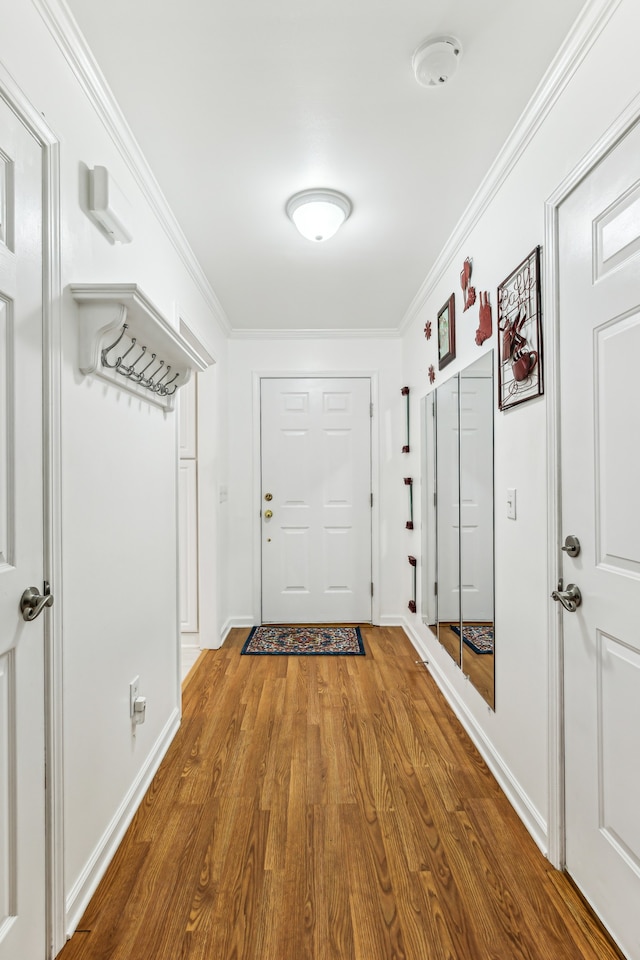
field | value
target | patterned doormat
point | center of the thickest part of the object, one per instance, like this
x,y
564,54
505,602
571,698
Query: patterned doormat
x,y
303,641
480,639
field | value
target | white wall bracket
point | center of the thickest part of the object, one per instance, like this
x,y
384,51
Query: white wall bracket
x,y
108,310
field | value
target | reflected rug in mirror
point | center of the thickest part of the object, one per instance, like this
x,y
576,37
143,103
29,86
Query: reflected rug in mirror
x,y
480,639
305,641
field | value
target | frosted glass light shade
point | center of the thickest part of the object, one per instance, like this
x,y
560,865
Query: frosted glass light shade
x,y
318,214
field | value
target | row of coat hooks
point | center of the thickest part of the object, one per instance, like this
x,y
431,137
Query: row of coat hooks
x,y
152,381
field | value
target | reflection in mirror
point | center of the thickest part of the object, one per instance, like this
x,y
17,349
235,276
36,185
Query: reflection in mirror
x,y
447,516
458,527
477,525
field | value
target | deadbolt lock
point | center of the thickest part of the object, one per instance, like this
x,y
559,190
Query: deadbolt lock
x,y
268,514
268,497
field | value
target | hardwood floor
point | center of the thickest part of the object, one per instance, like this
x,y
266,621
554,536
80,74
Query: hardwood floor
x,y
328,808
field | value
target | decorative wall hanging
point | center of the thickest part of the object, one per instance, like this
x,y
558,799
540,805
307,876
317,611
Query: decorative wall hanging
x,y
432,373
405,393
408,481
520,334
427,329
412,603
125,340
447,332
485,328
468,292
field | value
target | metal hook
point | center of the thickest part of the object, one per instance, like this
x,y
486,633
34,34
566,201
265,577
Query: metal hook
x,y
125,371
170,393
106,350
138,377
149,381
157,387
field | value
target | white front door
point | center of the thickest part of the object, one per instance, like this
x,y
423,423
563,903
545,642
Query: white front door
x,y
599,318
22,788
316,483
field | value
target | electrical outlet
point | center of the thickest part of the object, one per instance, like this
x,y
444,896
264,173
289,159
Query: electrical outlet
x,y
134,690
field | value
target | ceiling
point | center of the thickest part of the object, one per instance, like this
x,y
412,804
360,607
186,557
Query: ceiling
x,y
239,104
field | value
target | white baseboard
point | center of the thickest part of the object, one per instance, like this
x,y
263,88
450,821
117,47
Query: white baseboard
x,y
516,795
233,622
189,653
86,884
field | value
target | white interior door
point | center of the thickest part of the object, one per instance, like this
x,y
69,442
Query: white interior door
x,y
599,316
188,524
316,467
22,797
476,498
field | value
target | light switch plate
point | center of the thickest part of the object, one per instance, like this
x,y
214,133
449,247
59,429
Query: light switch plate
x,y
511,503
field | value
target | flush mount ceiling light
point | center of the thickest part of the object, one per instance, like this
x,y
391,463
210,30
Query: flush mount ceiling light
x,y
318,214
436,60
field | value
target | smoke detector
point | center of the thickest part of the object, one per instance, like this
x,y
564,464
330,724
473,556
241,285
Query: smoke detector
x,y
436,60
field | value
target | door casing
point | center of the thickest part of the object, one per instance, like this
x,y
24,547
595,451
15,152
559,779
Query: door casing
x,y
375,479
556,825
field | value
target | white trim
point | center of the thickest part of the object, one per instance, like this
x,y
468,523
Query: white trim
x,y
508,782
52,472
617,130
86,884
349,333
584,33
233,623
76,52
372,376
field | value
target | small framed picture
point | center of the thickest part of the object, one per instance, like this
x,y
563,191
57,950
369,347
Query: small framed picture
x,y
447,333
520,334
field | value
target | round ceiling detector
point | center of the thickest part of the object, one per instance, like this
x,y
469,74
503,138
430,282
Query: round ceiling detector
x,y
436,60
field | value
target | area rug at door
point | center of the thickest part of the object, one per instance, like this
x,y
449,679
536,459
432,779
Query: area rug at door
x,y
304,641
480,639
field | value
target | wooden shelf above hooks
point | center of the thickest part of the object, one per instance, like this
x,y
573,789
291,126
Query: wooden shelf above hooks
x,y
119,317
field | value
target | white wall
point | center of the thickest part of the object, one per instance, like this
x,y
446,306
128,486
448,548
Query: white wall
x,y
510,227
117,589
307,357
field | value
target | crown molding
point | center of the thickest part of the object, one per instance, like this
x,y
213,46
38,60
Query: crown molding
x,y
386,333
65,31
577,44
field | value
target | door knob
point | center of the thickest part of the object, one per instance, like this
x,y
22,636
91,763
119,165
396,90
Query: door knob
x,y
268,514
268,497
33,603
571,598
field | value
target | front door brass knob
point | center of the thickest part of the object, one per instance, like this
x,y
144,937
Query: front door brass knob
x,y
268,514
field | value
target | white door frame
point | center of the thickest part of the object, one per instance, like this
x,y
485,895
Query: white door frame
x,y
52,560
371,375
556,825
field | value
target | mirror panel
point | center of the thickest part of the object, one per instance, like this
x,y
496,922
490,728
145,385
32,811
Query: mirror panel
x,y
448,516
458,520
477,525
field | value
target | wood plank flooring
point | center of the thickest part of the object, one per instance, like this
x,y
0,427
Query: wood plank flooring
x,y
328,808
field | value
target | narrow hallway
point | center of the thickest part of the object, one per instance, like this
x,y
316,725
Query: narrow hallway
x,y
328,807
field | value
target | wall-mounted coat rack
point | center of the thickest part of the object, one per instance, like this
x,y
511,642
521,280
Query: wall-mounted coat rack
x,y
125,339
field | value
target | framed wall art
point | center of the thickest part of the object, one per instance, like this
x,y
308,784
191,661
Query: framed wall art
x,y
447,333
520,334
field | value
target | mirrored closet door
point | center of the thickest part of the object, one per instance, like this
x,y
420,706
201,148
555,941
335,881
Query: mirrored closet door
x,y
458,527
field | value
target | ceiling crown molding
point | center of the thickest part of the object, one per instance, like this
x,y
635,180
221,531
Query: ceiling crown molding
x,y
344,333
65,31
577,44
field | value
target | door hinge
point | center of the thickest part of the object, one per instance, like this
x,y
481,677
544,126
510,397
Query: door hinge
x,y
371,409
371,499
372,589
435,499
435,589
